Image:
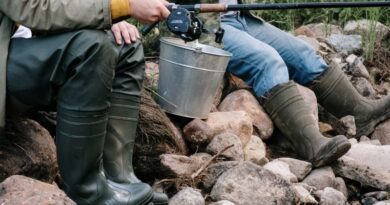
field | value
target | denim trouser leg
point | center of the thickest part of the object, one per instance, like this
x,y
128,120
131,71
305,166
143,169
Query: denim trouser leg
x,y
264,56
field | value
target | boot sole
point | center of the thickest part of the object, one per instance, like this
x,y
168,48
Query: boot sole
x,y
338,149
369,128
147,200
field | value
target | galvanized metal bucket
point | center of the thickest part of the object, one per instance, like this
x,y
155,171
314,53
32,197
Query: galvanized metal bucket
x,y
189,76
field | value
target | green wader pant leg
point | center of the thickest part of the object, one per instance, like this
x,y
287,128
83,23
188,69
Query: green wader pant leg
x,y
76,70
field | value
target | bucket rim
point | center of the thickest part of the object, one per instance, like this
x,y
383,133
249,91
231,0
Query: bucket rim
x,y
223,53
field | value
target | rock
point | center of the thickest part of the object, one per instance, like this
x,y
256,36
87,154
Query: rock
x,y
304,31
188,196
181,165
375,142
325,127
322,30
378,195
356,67
311,100
382,133
151,75
197,132
387,202
244,100
248,184
346,44
298,167
211,174
364,87
349,123
362,27
330,196
367,164
339,185
255,151
22,190
222,202
29,150
311,41
353,141
320,178
282,169
224,140
303,196
369,201
236,122
364,139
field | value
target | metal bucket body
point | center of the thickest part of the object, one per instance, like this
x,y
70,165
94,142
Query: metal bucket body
x,y
189,76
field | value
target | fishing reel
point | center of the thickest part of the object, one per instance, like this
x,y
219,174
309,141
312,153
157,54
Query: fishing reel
x,y
185,24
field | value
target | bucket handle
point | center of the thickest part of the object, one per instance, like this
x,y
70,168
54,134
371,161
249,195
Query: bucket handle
x,y
154,92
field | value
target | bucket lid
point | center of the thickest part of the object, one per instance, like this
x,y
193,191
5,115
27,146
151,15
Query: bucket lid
x,y
196,47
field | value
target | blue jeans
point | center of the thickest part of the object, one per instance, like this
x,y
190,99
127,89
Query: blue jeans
x,y
265,56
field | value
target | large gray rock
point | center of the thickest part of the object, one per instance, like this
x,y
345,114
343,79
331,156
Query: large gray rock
x,y
29,150
236,122
282,169
346,44
255,151
212,172
21,190
188,196
362,27
330,196
320,178
382,133
244,100
248,184
322,30
181,165
303,196
298,167
367,164
224,140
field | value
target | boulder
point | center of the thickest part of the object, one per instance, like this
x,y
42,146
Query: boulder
x,y
224,140
236,122
28,149
248,184
367,164
346,44
244,100
320,178
282,169
22,190
330,196
382,133
188,196
181,165
255,151
298,167
212,173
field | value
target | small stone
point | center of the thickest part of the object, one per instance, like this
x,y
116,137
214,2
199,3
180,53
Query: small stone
x,y
320,178
282,169
353,141
188,196
330,196
303,195
305,31
181,165
349,122
382,133
325,127
378,195
364,139
298,167
255,151
364,87
224,140
346,43
222,202
339,185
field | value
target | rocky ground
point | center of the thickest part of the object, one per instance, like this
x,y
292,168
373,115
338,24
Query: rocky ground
x,y
236,156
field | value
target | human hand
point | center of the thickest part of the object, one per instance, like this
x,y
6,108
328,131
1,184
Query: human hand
x,y
149,11
126,31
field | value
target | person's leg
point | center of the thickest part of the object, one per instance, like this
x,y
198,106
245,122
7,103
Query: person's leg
x,y
303,62
75,69
258,64
123,120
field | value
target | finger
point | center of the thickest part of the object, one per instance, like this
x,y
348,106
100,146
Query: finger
x,y
125,33
132,32
117,34
164,12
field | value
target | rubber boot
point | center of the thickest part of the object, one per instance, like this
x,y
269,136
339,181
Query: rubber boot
x,y
80,140
292,116
338,96
119,145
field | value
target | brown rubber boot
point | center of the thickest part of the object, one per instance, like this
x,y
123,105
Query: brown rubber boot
x,y
294,119
338,96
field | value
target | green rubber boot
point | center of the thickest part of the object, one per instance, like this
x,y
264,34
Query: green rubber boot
x,y
338,96
294,119
119,145
80,140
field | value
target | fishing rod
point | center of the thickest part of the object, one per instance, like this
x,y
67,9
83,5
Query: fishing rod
x,y
183,21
